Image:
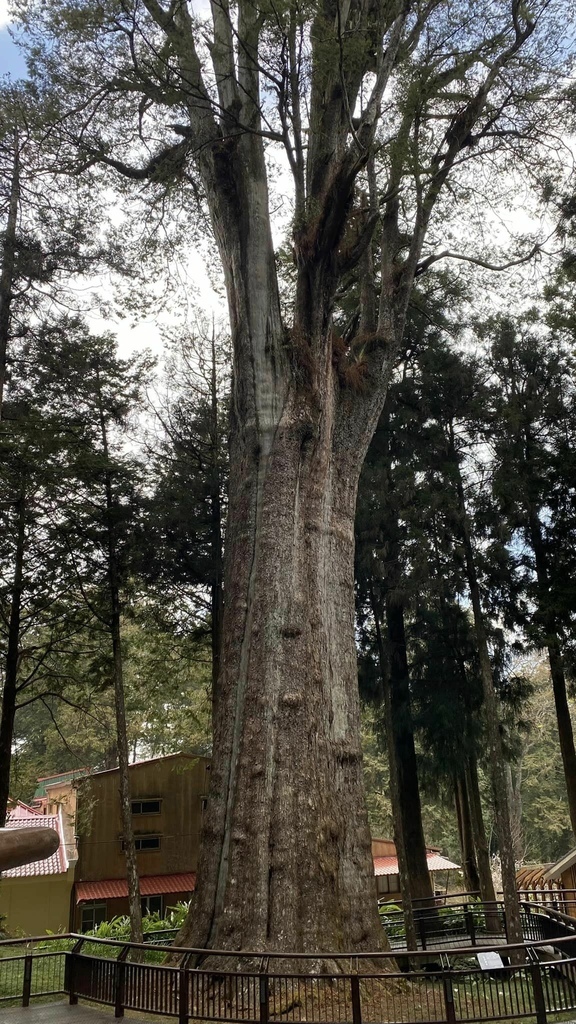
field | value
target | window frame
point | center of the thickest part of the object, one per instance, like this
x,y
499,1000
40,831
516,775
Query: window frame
x,y
92,905
146,800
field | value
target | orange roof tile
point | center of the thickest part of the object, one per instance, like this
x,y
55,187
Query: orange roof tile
x,y
153,885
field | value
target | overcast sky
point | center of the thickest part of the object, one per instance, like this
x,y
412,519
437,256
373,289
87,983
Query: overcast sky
x,y
11,61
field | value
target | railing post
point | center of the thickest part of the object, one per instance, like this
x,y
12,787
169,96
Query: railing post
x,y
183,990
264,998
355,994
469,919
70,972
422,931
537,988
448,991
119,982
27,980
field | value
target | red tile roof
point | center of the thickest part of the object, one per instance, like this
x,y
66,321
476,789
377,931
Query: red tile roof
x,y
389,865
153,885
25,817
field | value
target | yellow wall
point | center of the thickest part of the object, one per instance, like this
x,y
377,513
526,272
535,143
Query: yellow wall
x,y
33,906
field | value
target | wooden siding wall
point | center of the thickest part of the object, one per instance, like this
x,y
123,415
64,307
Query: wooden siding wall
x,y
179,782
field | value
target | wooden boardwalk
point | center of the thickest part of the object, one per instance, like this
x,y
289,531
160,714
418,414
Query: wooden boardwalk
x,y
62,1013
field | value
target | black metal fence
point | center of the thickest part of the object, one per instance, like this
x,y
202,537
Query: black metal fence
x,y
442,987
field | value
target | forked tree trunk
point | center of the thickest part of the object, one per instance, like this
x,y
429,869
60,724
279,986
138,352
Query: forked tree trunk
x,y
287,766
485,880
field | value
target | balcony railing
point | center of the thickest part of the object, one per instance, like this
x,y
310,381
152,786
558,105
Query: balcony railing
x,y
442,987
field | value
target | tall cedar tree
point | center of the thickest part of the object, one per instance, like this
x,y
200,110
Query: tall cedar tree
x,y
376,107
535,442
96,393
183,542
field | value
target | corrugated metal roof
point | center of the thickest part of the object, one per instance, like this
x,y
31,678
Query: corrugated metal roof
x,y
153,885
57,864
161,757
389,865
53,780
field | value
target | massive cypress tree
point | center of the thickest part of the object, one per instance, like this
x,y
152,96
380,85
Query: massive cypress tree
x,y
375,108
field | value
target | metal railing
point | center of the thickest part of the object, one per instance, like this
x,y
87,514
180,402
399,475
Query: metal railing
x,y
448,987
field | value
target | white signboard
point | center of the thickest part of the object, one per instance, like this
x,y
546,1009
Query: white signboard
x,y
488,961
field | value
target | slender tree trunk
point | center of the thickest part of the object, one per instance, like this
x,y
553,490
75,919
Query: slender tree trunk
x,y
469,866
513,785
557,672
494,738
8,263
216,591
9,694
395,796
482,852
405,753
135,906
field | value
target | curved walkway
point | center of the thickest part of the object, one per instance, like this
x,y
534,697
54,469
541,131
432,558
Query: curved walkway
x,y
62,1013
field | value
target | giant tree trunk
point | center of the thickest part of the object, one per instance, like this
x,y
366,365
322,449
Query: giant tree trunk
x,y
287,767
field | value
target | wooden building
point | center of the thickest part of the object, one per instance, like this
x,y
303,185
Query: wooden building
x,y
552,885
169,796
387,873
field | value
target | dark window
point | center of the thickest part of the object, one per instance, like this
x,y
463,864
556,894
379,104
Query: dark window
x,y
145,843
151,905
92,915
146,806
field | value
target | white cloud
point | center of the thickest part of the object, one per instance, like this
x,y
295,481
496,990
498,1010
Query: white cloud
x,y
4,18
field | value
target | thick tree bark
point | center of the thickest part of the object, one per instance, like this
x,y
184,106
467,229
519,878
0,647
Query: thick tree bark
x,y
287,767
10,690
494,738
8,263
